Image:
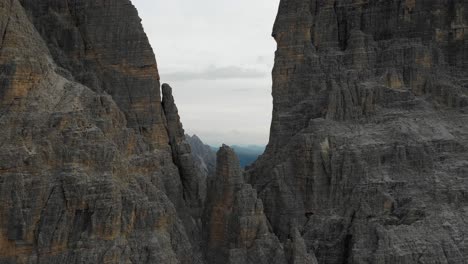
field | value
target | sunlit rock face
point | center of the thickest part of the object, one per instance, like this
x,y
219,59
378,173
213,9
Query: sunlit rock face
x,y
369,139
87,171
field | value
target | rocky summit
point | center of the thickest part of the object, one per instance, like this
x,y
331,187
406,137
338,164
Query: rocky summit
x,y
367,160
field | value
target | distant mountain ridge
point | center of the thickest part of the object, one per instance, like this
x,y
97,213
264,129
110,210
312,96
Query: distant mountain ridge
x,y
247,154
203,154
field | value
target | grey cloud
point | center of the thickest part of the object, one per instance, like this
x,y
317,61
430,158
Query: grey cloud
x,y
215,73
235,132
262,59
241,90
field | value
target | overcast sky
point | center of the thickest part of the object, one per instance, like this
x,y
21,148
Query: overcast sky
x,y
217,55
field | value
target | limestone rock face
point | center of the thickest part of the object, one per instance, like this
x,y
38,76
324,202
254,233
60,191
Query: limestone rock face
x,y
367,159
87,172
236,227
194,181
101,44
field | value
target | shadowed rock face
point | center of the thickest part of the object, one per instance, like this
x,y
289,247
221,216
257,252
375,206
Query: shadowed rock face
x,y
368,147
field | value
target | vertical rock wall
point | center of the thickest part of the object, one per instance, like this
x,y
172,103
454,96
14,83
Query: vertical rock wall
x,y
368,148
87,172
368,142
103,46
237,230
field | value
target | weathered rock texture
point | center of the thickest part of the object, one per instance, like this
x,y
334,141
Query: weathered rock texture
x,y
204,156
237,229
101,44
91,166
367,160
194,182
368,154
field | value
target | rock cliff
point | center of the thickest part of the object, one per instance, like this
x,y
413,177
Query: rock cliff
x,y
237,230
367,160
93,169
369,144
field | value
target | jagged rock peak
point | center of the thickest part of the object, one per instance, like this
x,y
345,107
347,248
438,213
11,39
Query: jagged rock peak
x,y
196,139
228,167
167,92
236,226
193,180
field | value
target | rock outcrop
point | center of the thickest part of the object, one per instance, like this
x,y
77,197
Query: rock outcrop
x,y
101,44
87,172
236,227
194,181
368,148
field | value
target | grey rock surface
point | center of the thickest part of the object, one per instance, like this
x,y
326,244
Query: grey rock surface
x,y
194,181
367,160
101,44
368,148
236,227
87,172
